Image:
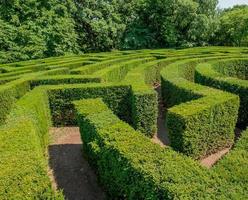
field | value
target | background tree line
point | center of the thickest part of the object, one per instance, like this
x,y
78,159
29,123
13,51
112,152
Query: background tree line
x,y
40,28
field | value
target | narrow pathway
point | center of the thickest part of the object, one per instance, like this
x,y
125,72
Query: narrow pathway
x,y
70,170
161,137
212,159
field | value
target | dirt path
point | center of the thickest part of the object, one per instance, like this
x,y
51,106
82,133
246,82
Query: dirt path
x,y
70,170
212,159
161,137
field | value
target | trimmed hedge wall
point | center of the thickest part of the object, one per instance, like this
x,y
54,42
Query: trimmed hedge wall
x,y
116,73
207,74
61,97
201,120
23,167
144,98
13,90
90,69
233,169
9,93
131,167
138,108
144,111
64,79
233,67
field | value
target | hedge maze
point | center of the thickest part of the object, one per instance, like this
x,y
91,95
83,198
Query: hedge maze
x,y
111,97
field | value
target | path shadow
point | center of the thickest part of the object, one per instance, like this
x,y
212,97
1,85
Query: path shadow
x,y
73,174
162,132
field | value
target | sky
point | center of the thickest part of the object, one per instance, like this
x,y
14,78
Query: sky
x,y
231,3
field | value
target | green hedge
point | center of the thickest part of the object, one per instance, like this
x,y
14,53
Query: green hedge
x,y
237,67
207,74
144,98
64,79
6,80
143,102
69,62
13,90
200,120
7,75
117,73
131,167
9,93
232,169
144,111
138,108
23,166
61,97
90,69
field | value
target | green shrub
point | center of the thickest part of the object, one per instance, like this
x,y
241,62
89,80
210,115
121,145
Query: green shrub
x,y
138,108
9,93
117,73
144,111
233,67
202,120
232,169
90,69
64,79
23,167
6,80
132,167
207,74
14,73
61,97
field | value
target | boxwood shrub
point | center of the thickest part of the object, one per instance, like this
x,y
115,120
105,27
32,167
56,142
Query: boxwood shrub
x,y
130,166
200,120
23,166
232,169
61,97
216,74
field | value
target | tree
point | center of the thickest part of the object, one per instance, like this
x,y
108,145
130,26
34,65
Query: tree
x,y
38,29
234,27
99,25
207,7
175,23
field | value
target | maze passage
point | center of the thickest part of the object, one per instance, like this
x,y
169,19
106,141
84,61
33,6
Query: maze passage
x,y
111,97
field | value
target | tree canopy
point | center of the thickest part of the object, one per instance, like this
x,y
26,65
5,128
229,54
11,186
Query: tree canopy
x,y
37,28
233,29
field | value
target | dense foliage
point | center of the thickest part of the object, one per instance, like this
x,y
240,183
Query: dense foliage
x,y
196,112
233,29
35,29
229,75
113,98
